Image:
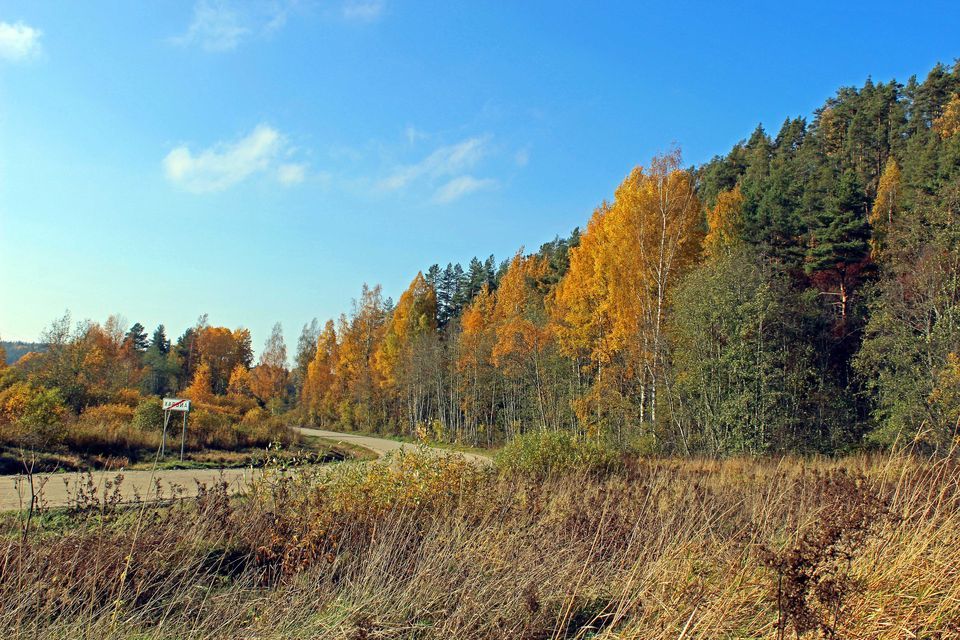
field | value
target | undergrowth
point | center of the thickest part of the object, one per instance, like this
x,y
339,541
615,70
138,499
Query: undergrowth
x,y
433,547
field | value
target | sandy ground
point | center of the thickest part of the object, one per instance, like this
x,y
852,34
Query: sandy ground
x,y
57,489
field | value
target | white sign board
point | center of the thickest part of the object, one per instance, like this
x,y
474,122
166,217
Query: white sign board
x,y
176,404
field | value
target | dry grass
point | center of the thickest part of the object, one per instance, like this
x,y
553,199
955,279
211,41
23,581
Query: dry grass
x,y
435,548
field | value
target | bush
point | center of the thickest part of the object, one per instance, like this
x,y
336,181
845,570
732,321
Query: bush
x,y
543,453
257,429
107,413
128,397
148,416
110,429
208,429
111,438
31,416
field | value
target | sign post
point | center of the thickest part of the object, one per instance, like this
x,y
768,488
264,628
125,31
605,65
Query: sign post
x,y
169,406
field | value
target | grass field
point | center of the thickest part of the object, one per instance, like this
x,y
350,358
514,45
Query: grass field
x,y
427,547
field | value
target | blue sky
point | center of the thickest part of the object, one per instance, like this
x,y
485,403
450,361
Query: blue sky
x,y
260,161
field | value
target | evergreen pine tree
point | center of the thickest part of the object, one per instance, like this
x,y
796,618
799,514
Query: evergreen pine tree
x,y
839,240
137,338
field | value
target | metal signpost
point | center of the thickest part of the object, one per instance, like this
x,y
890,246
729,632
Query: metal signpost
x,y
169,406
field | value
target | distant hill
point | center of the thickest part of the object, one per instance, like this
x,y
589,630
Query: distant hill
x,y
16,349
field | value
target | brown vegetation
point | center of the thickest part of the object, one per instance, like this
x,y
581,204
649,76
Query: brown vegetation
x,y
436,548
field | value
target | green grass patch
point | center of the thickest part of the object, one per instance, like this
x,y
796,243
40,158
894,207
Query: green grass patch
x,y
542,453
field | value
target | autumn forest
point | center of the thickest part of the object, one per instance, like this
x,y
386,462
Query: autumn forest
x,y
798,293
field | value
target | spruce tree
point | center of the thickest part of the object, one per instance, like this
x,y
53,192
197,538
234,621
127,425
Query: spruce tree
x,y
137,338
840,238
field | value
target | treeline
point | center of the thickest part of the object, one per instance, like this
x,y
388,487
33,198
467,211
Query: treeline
x,y
95,388
798,293
15,350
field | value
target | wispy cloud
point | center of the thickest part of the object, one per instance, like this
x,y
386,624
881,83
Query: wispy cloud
x,y
444,161
363,10
460,187
522,157
228,163
221,25
413,134
291,174
18,41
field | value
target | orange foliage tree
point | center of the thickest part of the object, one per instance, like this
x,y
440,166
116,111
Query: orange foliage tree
x,y
610,308
475,363
360,405
407,335
319,392
724,222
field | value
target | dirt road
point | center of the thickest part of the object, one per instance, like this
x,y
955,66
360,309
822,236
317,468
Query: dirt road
x,y
58,488
382,446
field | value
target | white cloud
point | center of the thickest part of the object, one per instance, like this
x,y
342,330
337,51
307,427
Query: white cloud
x,y
291,174
413,134
363,10
18,41
444,161
522,157
459,187
215,27
226,164
222,25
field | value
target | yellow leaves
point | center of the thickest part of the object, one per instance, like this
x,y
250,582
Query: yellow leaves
x,y
201,388
414,315
948,124
14,401
477,331
885,207
241,383
724,221
945,397
612,300
318,388
267,381
360,337
518,317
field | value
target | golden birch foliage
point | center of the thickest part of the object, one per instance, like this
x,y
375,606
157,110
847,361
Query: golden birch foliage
x,y
240,383
518,314
724,222
201,388
885,207
414,315
477,331
612,301
267,381
320,384
222,350
360,337
948,124
944,400
580,307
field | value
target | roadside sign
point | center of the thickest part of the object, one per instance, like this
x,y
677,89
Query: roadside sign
x,y
176,404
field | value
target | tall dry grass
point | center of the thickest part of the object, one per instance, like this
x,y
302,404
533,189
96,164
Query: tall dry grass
x,y
436,548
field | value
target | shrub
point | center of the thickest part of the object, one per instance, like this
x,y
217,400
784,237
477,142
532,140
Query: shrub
x,y
110,429
8,377
107,413
32,416
542,453
262,430
253,416
128,397
210,429
148,415
112,438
